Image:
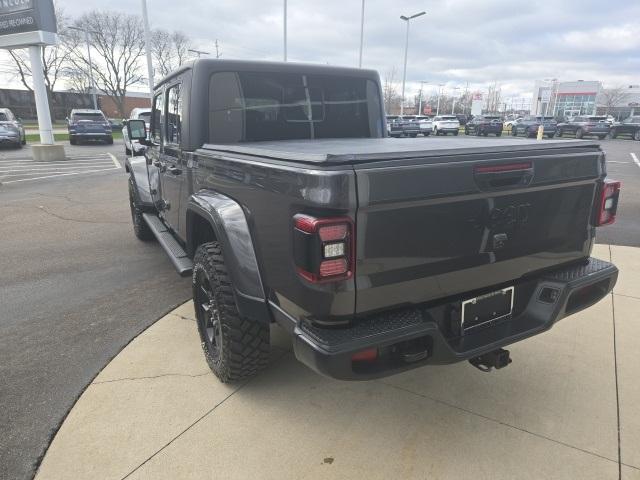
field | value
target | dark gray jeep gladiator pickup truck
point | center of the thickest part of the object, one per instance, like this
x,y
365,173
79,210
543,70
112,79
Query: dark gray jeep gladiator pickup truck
x,y
274,186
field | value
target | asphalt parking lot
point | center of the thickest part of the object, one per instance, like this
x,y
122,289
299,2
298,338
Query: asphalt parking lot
x,y
76,286
72,273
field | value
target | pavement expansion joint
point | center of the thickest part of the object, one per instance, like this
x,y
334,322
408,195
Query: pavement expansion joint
x,y
152,377
499,422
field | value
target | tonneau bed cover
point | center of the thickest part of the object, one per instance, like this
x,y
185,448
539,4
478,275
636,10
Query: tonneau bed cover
x,y
359,150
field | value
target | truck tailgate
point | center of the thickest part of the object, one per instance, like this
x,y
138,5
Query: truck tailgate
x,y
438,226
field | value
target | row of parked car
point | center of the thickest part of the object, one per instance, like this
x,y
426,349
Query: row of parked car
x,y
484,125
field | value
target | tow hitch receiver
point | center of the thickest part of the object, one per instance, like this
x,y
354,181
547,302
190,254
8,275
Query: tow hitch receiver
x,y
496,359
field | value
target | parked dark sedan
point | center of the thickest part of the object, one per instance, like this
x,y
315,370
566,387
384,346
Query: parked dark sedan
x,y
528,126
584,126
484,125
629,126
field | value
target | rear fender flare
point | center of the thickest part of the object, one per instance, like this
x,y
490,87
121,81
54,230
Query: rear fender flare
x,y
137,168
229,224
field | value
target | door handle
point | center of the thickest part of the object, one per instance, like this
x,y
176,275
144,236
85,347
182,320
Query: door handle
x,y
174,170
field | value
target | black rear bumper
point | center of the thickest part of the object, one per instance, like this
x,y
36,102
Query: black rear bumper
x,y
329,351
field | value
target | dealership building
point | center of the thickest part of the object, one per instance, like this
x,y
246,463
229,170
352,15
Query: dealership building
x,y
581,97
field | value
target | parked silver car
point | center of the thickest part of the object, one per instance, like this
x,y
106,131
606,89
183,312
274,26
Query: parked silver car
x,y
133,147
11,129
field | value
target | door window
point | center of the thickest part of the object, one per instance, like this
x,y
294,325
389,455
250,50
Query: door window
x,y
174,115
156,119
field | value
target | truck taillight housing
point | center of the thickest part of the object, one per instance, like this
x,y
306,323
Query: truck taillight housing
x,y
323,248
608,203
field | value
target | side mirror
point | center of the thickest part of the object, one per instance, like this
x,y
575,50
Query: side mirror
x,y
136,130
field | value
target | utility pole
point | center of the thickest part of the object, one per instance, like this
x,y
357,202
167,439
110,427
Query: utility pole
x,y
361,34
406,49
217,49
147,46
285,30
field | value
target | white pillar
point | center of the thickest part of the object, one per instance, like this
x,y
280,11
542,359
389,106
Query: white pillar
x,y
147,46
361,35
40,92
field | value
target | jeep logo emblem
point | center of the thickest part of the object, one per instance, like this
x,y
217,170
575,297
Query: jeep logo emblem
x,y
510,217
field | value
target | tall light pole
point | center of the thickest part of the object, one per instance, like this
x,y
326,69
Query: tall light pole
x,y
361,34
453,106
406,49
92,83
147,46
285,30
422,82
440,85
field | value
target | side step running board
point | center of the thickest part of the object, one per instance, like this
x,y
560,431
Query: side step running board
x,y
176,253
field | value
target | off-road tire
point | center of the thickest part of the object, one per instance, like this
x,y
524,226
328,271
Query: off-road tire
x,y
243,348
140,227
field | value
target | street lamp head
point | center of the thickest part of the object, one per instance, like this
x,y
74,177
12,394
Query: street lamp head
x,y
406,19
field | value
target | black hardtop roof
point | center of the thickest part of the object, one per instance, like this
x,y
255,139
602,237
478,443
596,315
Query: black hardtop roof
x,y
209,65
361,150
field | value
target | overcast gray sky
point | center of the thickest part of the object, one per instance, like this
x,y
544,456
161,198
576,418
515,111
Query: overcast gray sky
x,y
458,41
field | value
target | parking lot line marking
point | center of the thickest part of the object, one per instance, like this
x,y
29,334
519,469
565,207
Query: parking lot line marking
x,y
4,168
58,175
614,161
635,159
52,172
115,160
43,171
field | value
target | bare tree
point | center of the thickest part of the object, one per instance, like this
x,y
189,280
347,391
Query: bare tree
x,y
390,93
169,50
611,98
55,59
118,40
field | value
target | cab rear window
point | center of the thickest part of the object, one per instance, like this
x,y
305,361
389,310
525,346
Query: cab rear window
x,y
252,107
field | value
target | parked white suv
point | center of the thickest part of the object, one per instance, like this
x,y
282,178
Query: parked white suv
x,y
133,147
444,124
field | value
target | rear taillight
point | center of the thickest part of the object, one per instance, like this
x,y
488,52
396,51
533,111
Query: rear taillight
x,y
323,248
608,203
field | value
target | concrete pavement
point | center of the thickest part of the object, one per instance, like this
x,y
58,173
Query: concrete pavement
x,y
568,407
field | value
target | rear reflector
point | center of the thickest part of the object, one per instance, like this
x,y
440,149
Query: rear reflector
x,y
329,268
608,204
368,355
507,167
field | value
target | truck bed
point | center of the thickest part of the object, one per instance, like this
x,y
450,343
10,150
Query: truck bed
x,y
365,150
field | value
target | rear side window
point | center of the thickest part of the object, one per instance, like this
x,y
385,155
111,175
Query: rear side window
x,y
173,118
156,121
251,107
